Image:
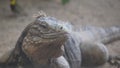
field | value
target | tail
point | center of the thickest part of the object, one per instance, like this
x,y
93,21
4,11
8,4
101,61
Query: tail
x,y
100,34
112,34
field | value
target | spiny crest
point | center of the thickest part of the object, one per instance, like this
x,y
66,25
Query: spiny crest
x,y
39,14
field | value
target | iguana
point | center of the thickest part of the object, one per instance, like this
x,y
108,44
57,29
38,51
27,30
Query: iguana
x,y
51,43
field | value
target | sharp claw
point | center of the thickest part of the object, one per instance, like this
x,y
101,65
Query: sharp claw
x,y
114,61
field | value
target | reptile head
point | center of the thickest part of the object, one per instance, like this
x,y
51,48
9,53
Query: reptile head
x,y
44,39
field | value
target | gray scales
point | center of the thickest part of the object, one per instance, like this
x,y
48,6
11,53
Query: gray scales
x,y
51,43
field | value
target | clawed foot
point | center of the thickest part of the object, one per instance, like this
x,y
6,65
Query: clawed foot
x,y
114,60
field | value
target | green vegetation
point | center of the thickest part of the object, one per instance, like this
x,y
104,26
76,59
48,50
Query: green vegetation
x,y
65,1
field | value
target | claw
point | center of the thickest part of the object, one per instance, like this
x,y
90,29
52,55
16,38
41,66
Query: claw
x,y
114,60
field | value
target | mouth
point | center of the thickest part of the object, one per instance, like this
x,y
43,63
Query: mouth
x,y
49,46
55,45
55,35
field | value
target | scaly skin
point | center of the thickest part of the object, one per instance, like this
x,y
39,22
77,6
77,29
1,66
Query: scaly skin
x,y
41,45
38,46
90,42
43,42
100,34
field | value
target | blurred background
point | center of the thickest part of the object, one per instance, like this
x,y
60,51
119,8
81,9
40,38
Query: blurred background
x,y
104,13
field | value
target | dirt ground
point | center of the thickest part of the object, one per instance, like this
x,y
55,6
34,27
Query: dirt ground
x,y
103,13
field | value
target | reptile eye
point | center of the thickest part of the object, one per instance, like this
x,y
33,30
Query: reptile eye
x,y
61,27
